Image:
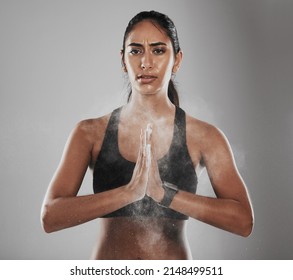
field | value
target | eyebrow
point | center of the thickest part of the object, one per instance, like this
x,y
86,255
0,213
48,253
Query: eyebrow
x,y
152,44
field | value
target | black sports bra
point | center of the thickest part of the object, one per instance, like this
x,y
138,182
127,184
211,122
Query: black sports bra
x,y
112,170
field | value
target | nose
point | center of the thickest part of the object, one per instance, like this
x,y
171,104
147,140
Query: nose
x,y
146,62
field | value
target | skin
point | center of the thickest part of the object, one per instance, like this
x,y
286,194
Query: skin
x,y
149,60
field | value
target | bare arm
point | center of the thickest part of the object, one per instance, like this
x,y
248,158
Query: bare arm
x,y
231,209
62,208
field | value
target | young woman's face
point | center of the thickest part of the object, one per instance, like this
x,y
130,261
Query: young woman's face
x,y
149,59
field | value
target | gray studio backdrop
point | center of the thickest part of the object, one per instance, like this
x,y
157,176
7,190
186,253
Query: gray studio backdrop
x,y
60,63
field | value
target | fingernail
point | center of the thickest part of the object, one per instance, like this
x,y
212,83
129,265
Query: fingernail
x,y
149,130
149,127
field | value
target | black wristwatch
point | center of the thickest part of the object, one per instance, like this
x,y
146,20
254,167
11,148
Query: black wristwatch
x,y
170,191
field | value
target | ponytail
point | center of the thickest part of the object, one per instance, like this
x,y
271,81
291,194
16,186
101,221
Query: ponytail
x,y
173,93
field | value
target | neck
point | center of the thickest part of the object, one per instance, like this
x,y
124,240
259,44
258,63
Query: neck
x,y
150,105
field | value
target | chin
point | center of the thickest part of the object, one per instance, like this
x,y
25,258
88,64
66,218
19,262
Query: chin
x,y
149,90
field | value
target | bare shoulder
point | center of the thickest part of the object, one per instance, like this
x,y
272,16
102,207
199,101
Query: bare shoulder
x,y
92,129
204,136
201,130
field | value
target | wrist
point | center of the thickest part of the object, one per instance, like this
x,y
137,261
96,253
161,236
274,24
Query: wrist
x,y
159,194
132,193
170,190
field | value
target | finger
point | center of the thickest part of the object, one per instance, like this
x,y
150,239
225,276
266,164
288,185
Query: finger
x,y
148,133
154,164
144,153
150,140
149,130
139,156
144,159
148,155
145,139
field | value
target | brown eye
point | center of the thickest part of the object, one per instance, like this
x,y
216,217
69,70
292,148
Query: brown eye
x,y
135,51
159,51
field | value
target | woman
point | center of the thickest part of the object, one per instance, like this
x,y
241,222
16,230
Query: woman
x,y
145,157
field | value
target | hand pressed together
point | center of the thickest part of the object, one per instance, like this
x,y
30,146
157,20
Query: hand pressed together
x,y
146,178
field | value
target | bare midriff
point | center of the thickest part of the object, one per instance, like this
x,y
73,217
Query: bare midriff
x,y
145,238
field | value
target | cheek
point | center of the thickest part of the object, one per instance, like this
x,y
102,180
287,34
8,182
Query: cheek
x,y
167,62
167,66
131,65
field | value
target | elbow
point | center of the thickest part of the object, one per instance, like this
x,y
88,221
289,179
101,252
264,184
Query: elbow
x,y
247,226
47,220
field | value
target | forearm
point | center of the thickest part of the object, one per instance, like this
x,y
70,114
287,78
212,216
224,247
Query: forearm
x,y
226,214
64,212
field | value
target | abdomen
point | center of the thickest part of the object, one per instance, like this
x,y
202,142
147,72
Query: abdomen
x,y
142,238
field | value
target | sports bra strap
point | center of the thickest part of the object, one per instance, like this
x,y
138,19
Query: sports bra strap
x,y
111,134
180,126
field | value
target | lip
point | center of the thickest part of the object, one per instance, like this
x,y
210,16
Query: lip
x,y
146,79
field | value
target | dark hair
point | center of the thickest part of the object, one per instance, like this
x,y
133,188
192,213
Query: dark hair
x,y
168,26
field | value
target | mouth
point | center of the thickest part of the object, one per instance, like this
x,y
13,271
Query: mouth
x,y
146,79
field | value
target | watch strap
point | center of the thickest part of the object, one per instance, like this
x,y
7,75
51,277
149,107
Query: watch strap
x,y
170,191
